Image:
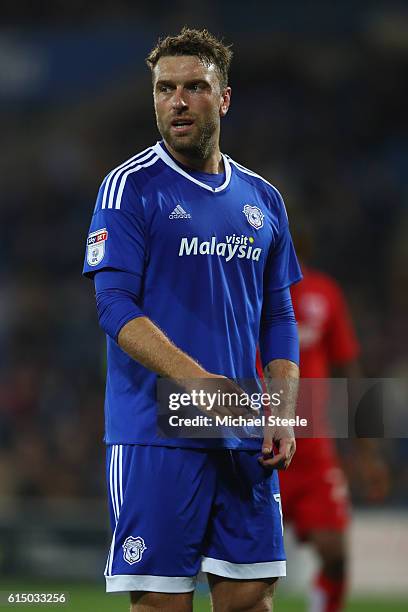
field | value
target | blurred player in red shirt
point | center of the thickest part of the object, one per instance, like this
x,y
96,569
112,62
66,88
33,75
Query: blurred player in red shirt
x,y
314,490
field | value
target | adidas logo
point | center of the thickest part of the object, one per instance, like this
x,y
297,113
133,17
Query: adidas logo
x,y
179,213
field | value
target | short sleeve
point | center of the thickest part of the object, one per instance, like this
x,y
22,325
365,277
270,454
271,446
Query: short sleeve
x,y
282,266
116,237
342,341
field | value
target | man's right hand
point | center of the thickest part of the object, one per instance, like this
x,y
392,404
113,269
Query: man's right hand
x,y
230,396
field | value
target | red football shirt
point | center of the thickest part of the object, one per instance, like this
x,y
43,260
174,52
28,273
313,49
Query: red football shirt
x,y
325,331
327,338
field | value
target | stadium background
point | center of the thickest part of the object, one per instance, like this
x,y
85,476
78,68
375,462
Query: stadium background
x,y
318,108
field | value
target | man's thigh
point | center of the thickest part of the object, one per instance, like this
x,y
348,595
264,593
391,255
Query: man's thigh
x,y
244,540
230,595
160,502
163,602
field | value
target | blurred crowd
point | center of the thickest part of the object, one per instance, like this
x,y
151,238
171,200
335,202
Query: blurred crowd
x,y
324,120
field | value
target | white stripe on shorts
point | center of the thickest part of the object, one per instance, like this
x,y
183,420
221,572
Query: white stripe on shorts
x,y
115,475
115,481
155,584
111,488
239,571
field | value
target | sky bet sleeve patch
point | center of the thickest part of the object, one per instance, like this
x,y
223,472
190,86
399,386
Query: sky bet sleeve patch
x,y
96,246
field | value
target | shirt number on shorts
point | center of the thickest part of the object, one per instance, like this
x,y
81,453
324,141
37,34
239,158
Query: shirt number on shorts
x,y
277,498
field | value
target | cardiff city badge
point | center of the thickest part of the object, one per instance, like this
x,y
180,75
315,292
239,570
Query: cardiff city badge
x,y
133,549
254,216
96,247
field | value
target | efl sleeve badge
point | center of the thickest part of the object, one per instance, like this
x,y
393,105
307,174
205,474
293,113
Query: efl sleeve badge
x,y
96,247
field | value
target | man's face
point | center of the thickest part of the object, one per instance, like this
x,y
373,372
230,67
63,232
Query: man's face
x,y
189,102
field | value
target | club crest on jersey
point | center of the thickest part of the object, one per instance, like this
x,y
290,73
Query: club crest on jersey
x,y
96,246
254,216
133,549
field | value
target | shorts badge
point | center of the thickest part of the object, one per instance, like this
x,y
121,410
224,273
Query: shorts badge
x,y
133,549
96,247
254,216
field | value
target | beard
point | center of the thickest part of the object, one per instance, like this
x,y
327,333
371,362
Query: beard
x,y
199,144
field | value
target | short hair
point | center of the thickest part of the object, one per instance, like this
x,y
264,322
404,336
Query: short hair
x,y
208,48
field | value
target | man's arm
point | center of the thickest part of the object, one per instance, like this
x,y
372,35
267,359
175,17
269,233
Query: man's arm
x,y
122,319
285,377
146,343
142,340
279,352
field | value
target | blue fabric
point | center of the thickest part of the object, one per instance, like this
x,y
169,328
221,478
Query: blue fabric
x,y
200,274
214,180
116,308
179,505
116,279
116,301
278,338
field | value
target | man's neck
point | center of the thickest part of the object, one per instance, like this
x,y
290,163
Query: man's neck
x,y
213,164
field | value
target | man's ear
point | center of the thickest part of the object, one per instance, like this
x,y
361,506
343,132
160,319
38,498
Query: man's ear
x,y
226,101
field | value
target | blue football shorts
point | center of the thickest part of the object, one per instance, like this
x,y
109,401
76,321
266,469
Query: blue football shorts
x,y
176,511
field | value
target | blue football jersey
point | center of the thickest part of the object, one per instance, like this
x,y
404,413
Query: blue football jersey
x,y
203,256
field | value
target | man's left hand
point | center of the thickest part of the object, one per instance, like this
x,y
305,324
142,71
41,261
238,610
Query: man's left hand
x,y
285,442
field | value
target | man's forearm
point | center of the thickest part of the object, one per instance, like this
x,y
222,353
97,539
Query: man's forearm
x,y
146,343
282,376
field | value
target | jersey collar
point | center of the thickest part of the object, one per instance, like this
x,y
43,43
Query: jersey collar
x,y
168,160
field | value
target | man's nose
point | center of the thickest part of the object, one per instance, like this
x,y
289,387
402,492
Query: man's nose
x,y
179,99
